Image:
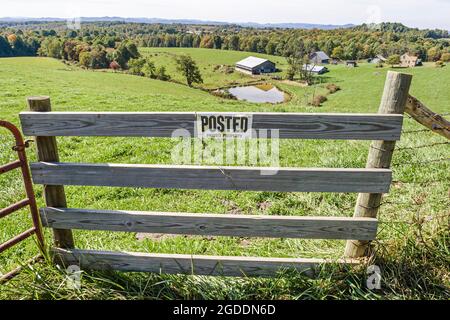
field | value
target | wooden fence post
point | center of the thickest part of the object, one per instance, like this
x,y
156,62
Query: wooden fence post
x,y
47,150
380,154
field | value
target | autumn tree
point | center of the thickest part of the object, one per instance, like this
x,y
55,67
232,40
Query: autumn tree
x,y
445,57
12,38
207,42
338,53
434,54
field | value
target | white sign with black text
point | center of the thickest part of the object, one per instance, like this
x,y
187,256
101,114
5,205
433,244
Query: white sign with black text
x,y
224,125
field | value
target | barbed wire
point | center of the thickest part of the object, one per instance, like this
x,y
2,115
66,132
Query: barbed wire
x,y
428,218
423,146
422,162
417,131
417,204
419,182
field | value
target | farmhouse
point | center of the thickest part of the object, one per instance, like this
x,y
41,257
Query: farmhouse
x,y
319,57
254,65
410,61
315,69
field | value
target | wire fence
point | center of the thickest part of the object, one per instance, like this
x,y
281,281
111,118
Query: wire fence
x,y
417,205
423,146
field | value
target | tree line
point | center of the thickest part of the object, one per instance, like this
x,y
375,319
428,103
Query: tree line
x,y
357,43
98,44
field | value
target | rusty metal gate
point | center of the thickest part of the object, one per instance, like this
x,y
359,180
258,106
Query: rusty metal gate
x,y
30,199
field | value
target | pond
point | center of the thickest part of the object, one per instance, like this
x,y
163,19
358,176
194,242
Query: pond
x,y
264,93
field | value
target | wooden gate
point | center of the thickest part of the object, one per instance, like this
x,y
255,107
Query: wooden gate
x,y
371,182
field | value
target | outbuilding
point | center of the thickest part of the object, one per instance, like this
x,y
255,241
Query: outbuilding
x,y
378,59
254,65
315,69
319,57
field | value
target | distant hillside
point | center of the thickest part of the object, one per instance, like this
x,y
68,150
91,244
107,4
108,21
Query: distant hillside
x,y
185,21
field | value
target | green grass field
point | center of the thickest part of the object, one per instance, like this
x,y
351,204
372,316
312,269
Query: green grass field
x,y
413,241
209,62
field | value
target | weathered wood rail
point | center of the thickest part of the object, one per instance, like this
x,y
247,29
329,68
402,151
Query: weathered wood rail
x,y
211,224
371,182
429,119
151,124
212,178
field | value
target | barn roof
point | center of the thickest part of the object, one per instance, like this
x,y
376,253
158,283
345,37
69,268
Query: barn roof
x,y
251,62
312,68
321,55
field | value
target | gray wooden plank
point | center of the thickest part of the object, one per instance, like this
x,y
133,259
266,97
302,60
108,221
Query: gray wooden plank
x,y
188,264
213,178
211,224
154,124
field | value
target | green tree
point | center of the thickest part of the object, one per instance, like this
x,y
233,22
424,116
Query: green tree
x,y
99,58
51,47
187,66
135,66
5,48
393,60
148,69
306,70
125,52
294,67
161,74
234,43
271,47
85,59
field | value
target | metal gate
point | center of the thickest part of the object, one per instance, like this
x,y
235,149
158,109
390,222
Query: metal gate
x,y
30,199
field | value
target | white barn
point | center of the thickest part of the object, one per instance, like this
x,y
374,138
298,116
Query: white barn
x,y
315,69
254,65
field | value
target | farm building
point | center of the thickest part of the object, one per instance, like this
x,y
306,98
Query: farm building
x,y
315,69
378,59
254,65
351,63
319,57
409,61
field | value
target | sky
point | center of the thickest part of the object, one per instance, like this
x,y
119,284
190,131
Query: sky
x,y
413,13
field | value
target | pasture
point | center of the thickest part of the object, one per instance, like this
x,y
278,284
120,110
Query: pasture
x,y
213,64
413,241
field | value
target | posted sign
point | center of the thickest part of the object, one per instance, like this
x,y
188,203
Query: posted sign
x,y
225,125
